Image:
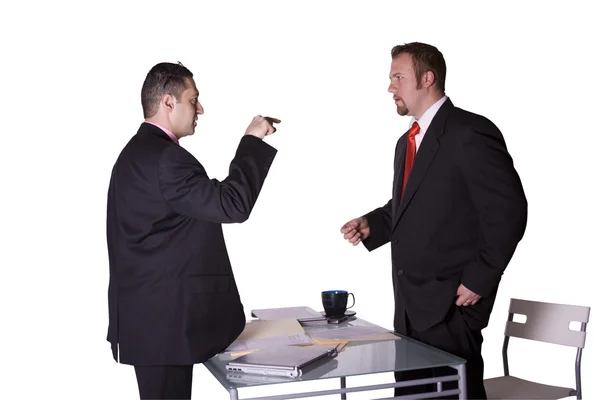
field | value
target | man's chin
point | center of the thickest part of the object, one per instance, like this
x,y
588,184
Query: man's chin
x,y
402,111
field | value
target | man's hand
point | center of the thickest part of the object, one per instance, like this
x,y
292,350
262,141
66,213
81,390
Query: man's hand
x,y
356,230
466,297
262,126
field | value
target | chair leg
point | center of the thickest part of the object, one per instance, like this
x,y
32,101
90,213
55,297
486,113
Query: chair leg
x,y
578,368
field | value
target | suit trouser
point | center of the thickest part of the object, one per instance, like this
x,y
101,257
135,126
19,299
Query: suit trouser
x,y
165,381
454,336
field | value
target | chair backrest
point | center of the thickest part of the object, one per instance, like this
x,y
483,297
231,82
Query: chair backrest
x,y
548,322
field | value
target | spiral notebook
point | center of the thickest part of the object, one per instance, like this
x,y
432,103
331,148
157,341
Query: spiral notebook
x,y
282,360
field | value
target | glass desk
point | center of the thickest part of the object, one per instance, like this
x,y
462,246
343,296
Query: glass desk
x,y
358,358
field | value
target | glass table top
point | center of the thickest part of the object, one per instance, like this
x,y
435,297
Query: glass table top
x,y
358,358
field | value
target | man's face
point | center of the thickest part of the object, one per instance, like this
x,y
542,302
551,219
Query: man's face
x,y
186,110
403,85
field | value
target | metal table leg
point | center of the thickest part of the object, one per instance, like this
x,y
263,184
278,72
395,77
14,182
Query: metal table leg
x,y
462,381
343,383
233,394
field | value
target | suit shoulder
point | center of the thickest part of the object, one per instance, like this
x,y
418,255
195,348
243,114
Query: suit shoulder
x,y
141,151
177,154
469,122
468,117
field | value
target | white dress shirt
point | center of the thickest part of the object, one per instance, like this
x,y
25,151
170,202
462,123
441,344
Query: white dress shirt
x,y
426,119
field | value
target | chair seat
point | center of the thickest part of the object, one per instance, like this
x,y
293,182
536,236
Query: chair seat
x,y
509,387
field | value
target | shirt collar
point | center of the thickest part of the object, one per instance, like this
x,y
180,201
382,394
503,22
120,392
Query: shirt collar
x,y
168,132
428,115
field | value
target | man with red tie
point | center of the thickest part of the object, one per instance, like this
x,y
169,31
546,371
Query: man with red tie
x,y
457,213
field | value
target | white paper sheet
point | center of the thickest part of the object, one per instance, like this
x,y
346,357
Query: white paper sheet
x,y
254,344
263,334
348,332
299,313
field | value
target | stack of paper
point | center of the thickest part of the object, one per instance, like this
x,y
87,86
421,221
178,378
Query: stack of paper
x,y
351,333
304,315
264,334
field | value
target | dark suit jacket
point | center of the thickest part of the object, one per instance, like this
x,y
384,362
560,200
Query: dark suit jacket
x,y
172,295
459,221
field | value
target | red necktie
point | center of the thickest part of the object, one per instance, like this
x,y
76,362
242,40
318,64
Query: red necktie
x,y
411,149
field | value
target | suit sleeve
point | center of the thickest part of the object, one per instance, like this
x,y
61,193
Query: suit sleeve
x,y
380,225
186,187
497,193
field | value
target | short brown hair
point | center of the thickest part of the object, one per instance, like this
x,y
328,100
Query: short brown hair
x,y
425,58
163,78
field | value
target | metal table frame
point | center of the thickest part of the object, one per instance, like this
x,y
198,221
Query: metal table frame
x,y
460,377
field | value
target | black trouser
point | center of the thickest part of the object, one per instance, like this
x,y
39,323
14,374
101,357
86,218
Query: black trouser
x,y
165,381
453,336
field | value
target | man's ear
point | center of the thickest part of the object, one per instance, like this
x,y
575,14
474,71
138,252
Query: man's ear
x,y
428,79
168,101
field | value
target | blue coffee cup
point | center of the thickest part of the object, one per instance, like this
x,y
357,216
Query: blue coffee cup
x,y
335,302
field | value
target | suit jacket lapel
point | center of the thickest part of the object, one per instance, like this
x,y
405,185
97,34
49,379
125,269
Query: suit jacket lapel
x,y
398,174
425,155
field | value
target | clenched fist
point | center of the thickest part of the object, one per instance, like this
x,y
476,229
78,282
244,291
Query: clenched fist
x,y
356,230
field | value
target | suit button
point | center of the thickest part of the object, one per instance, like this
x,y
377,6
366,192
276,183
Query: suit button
x,y
395,241
400,272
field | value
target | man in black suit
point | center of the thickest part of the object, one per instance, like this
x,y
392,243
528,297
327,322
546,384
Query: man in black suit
x,y
457,212
173,300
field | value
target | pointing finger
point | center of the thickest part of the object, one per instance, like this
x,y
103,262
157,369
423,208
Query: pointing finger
x,y
273,120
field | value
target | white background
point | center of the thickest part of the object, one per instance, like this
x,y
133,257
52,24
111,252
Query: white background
x,y
71,81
